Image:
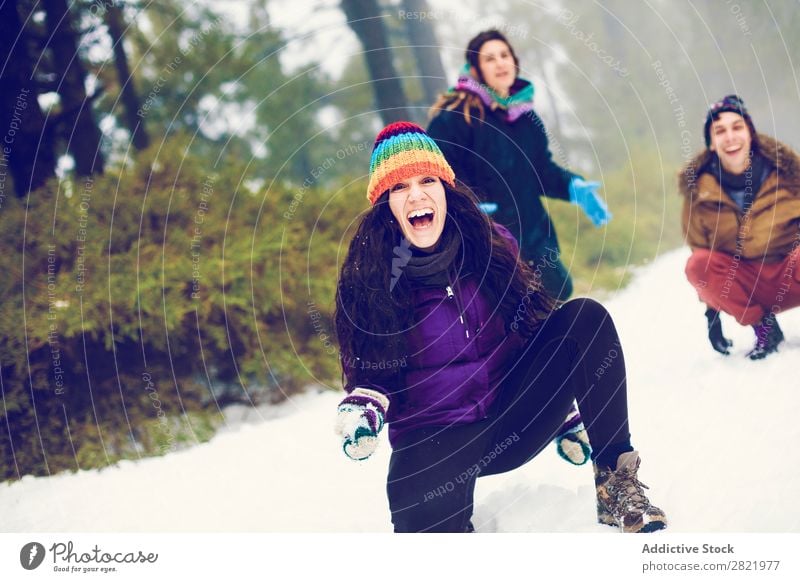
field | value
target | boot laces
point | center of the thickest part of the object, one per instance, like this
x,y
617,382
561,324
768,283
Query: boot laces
x,y
628,486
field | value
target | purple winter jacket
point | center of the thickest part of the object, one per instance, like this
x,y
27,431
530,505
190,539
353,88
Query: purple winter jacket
x,y
458,352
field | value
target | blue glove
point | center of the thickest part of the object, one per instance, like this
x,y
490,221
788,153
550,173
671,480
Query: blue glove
x,y
359,420
488,207
584,194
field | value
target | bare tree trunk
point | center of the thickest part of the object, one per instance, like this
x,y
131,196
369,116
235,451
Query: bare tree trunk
x,y
550,97
115,21
82,134
25,148
365,19
422,37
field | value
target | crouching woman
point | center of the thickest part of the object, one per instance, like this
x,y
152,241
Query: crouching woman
x,y
490,368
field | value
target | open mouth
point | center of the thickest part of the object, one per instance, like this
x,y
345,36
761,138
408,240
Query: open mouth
x,y
733,150
421,219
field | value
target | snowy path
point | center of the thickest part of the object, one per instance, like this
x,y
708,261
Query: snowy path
x,y
719,442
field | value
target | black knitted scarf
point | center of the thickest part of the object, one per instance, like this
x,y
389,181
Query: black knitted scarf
x,y
742,188
431,267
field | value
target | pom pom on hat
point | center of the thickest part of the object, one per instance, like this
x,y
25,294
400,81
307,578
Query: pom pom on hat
x,y
402,150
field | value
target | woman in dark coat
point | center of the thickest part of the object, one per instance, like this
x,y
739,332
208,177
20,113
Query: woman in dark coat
x,y
446,335
498,146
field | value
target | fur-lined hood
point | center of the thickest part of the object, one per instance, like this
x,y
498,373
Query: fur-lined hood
x,y
779,154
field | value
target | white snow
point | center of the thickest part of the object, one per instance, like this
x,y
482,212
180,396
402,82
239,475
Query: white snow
x,y
718,438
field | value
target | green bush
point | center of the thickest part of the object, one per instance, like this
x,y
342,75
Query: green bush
x,y
139,302
646,222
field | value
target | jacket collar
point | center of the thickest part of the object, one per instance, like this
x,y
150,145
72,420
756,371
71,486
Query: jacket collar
x,y
781,156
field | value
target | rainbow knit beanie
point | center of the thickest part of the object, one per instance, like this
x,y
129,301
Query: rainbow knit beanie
x,y
402,150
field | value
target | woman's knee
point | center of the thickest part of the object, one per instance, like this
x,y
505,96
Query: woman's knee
x,y
584,322
585,311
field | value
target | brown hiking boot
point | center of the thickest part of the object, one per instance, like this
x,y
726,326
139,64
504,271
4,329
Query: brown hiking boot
x,y
621,500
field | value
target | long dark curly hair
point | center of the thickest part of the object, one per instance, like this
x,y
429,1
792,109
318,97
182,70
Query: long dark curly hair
x,y
374,306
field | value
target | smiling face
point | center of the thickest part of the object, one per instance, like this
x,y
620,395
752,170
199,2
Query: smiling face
x,y
497,66
420,207
731,139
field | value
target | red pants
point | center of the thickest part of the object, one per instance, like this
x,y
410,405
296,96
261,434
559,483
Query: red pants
x,y
746,289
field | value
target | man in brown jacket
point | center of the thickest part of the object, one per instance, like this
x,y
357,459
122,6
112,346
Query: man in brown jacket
x,y
741,217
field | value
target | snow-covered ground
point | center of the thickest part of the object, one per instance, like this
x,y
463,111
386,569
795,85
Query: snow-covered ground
x,y
718,437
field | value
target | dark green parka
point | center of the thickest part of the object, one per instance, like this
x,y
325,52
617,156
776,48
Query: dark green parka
x,y
509,164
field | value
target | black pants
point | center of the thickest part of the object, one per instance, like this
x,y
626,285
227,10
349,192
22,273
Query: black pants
x,y
576,354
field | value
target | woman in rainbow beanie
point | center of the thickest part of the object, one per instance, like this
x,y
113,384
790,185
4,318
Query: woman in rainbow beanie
x,y
446,336
489,132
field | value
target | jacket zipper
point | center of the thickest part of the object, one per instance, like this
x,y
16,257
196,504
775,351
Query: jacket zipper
x,y
452,295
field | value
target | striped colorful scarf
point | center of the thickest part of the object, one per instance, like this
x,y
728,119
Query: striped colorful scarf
x,y
518,102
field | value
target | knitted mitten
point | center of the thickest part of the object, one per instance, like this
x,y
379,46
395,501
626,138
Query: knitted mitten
x,y
359,419
572,442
